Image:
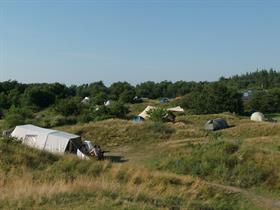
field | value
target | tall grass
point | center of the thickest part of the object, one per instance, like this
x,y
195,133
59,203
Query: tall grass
x,y
39,180
227,162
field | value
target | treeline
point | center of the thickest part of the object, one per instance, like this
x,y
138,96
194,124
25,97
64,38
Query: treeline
x,y
19,102
263,79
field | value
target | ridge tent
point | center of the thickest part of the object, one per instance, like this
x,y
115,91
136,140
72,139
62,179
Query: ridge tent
x,y
258,117
47,139
176,109
215,124
145,114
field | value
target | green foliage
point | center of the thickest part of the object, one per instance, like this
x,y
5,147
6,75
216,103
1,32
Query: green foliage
x,y
122,88
158,114
17,116
214,98
99,98
69,106
97,113
118,109
39,97
265,101
225,162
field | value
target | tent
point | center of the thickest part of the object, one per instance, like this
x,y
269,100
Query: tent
x,y
176,109
47,139
145,114
258,117
107,103
163,100
169,117
215,124
136,99
86,100
138,119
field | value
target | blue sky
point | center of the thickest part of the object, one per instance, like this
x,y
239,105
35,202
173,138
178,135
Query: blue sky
x,y
77,42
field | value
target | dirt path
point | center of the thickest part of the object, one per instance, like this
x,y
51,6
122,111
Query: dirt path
x,y
262,201
140,154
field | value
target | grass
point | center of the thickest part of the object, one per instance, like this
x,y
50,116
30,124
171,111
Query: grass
x,y
228,163
170,166
39,180
275,116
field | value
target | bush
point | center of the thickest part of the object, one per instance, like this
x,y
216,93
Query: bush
x,y
39,97
264,101
214,98
220,160
16,116
69,106
158,114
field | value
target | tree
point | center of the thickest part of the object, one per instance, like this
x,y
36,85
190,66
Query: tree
x,y
16,116
127,96
214,98
118,88
99,98
118,109
39,97
69,106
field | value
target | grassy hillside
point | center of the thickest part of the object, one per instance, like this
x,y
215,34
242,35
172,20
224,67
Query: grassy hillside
x,y
38,180
150,166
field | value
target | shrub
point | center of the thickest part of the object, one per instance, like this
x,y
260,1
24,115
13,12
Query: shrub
x,y
158,114
69,106
16,116
220,160
39,97
214,98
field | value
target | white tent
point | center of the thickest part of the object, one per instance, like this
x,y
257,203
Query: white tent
x,y
47,139
145,114
176,109
107,103
258,117
86,100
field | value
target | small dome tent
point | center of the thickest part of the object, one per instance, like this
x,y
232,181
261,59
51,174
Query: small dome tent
x,y
215,124
138,119
258,117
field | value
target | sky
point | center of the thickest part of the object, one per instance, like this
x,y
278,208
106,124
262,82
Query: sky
x,y
76,42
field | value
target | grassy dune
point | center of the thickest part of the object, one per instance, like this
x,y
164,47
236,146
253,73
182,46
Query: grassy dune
x,y
169,166
31,178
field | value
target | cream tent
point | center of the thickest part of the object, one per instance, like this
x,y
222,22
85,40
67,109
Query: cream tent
x,y
145,114
258,117
176,109
47,139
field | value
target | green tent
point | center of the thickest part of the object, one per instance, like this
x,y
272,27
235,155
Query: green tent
x,y
216,124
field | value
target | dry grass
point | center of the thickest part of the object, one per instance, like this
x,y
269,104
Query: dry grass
x,y
154,189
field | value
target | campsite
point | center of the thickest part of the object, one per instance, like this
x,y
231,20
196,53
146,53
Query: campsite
x,y
139,105
178,153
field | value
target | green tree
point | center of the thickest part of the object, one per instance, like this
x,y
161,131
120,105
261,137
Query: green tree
x,y
39,97
158,114
69,106
214,98
16,116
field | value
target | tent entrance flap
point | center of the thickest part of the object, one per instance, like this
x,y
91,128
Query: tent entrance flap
x,y
73,145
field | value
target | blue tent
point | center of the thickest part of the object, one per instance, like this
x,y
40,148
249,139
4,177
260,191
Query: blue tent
x,y
138,119
164,100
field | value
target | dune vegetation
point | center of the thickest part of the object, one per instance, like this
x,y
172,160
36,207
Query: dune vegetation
x,y
150,166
